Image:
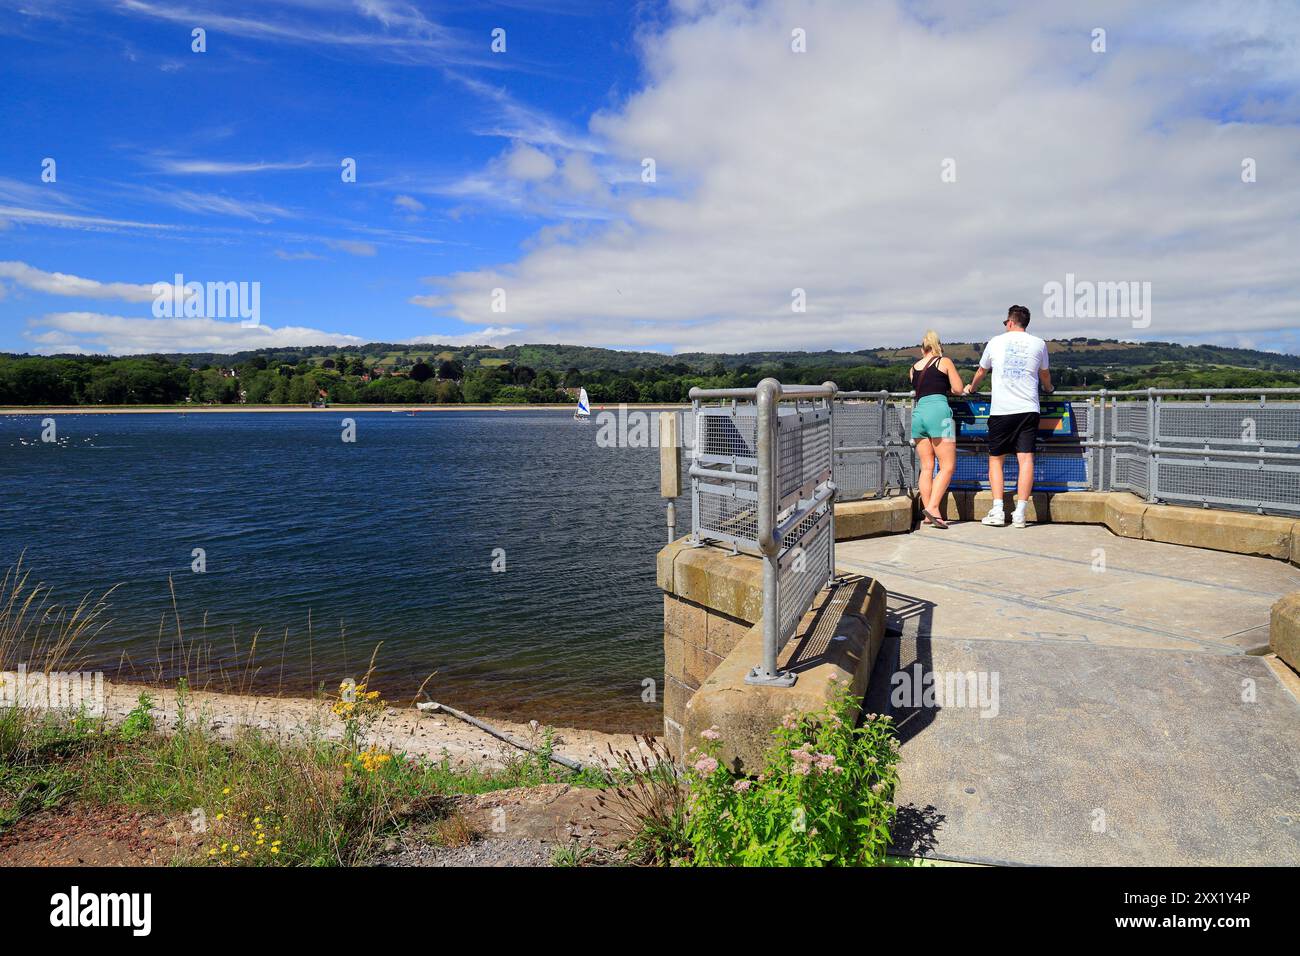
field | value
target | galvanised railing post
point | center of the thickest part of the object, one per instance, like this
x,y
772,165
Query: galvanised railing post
x,y
884,444
830,411
1152,445
695,489
768,400
1101,437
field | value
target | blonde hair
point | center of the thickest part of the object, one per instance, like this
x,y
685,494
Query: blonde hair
x,y
930,343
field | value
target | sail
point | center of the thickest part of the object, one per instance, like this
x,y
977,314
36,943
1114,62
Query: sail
x,y
584,405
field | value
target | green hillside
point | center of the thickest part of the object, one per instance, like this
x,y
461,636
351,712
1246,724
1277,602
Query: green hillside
x,y
392,373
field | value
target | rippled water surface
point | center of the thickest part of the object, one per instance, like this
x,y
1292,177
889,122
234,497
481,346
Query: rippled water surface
x,y
390,539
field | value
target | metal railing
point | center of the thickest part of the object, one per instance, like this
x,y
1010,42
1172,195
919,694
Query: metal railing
x,y
762,483
1228,448
768,463
1241,454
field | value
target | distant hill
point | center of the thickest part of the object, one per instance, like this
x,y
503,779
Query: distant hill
x,y
1079,353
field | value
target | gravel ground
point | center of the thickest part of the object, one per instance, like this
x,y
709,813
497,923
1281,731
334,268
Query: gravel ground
x,y
521,852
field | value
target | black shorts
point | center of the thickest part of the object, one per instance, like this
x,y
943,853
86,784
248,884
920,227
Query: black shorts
x,y
1013,433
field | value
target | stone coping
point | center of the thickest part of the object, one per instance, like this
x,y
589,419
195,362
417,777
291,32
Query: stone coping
x,y
1284,630
835,644
1126,514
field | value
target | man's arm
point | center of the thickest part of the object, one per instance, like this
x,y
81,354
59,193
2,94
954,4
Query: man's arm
x,y
975,380
1045,379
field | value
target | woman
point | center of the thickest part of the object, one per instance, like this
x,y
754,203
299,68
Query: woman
x,y
933,379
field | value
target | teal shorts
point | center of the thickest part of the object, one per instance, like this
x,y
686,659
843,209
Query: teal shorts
x,y
932,418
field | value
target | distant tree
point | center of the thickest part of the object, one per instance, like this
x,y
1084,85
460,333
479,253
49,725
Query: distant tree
x,y
451,371
421,372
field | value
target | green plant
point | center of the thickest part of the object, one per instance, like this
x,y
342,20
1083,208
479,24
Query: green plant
x,y
572,854
648,805
824,797
140,720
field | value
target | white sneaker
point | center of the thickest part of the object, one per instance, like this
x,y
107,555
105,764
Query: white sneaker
x,y
995,518
1018,519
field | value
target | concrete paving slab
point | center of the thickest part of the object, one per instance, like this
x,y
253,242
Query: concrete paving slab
x,y
1128,727
1040,584
1100,756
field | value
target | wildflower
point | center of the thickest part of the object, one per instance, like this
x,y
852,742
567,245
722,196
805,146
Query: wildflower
x,y
275,849
711,734
741,786
221,816
226,791
876,788
706,764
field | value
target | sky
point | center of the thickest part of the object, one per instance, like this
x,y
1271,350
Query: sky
x,y
673,176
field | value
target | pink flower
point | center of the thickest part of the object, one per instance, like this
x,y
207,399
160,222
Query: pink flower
x,y
711,734
740,786
706,765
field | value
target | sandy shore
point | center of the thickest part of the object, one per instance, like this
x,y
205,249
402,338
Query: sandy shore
x,y
430,735
245,409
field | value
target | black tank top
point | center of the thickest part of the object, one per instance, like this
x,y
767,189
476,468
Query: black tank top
x,y
930,380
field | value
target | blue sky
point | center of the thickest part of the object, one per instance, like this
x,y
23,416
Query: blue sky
x,y
776,169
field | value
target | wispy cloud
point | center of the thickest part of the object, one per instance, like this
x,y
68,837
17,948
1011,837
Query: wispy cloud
x,y
353,247
404,33
220,205
213,167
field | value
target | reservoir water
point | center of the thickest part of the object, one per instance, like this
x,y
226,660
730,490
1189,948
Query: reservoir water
x,y
391,538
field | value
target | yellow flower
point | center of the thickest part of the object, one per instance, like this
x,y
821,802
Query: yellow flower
x,y
221,816
275,849
227,790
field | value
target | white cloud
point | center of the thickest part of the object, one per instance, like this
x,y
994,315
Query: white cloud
x,y
61,283
295,256
93,332
408,203
491,335
528,163
822,171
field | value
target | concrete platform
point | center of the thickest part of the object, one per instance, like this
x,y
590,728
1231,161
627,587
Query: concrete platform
x,y
1131,723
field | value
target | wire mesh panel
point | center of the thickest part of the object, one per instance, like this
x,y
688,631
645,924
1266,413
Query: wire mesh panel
x,y
1231,424
857,425
725,509
802,570
803,453
1238,485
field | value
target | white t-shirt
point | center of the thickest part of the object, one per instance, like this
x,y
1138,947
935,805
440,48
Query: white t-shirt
x,y
1015,359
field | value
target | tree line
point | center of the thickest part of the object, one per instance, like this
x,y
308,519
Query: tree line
x,y
102,380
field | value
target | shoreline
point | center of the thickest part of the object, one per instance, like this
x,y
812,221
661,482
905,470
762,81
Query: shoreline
x,y
260,409
402,729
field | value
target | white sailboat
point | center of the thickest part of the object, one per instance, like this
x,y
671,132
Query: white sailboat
x,y
583,412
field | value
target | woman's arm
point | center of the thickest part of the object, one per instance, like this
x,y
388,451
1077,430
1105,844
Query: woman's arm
x,y
954,377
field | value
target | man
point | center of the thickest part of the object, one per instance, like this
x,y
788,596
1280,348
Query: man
x,y
1019,364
